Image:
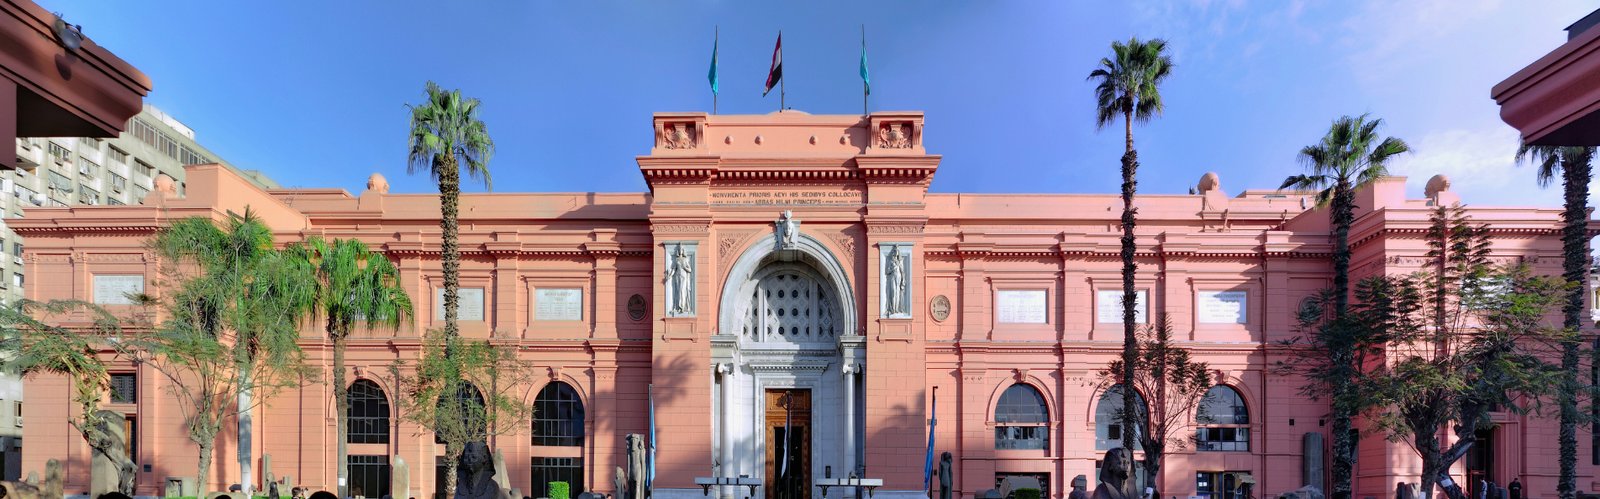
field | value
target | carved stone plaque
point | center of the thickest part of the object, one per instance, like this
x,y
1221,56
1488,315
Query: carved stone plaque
x,y
1222,307
637,308
114,289
469,304
1109,306
558,304
939,308
1025,306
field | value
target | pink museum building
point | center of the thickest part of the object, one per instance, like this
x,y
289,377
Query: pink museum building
x,y
800,257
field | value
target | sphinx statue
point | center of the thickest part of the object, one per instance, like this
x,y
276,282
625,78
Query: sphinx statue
x,y
475,474
1115,482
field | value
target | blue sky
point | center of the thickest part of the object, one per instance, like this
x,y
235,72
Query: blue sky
x,y
314,94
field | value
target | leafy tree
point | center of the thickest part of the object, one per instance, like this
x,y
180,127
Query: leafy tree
x,y
1127,85
353,285
1175,385
232,309
1349,157
1573,163
1463,338
30,346
445,393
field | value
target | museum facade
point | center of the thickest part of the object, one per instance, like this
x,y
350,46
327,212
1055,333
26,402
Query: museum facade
x,y
795,298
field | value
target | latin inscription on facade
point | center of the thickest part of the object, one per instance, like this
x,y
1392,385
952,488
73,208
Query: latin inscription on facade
x,y
469,304
115,289
1108,306
786,198
1020,306
558,304
1222,307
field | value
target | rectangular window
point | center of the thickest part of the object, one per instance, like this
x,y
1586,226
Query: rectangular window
x,y
124,388
144,132
118,156
114,201
87,195
59,152
27,195
139,193
143,168
189,157
59,182
118,182
16,250
369,476
16,279
1236,439
557,469
87,168
166,145
1220,484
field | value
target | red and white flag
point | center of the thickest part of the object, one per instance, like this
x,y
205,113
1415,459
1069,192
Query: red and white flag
x,y
775,74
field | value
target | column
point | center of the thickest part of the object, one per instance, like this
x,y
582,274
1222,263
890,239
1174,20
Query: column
x,y
724,429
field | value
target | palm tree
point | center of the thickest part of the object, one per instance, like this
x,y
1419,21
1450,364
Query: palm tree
x,y
446,137
1350,157
1574,167
353,284
1128,86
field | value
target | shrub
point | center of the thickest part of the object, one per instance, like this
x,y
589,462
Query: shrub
x,y
559,490
1025,494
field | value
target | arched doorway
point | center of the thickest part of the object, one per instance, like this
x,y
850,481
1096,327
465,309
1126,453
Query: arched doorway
x,y
787,317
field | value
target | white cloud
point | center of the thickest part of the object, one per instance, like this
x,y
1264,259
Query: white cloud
x,y
1481,165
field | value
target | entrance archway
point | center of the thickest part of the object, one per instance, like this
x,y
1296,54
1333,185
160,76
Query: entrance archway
x,y
784,320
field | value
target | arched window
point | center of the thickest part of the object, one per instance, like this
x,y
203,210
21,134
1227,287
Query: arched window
x,y
558,416
1108,419
471,400
369,413
1021,419
1224,421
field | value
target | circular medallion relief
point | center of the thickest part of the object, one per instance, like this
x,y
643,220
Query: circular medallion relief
x,y
939,308
637,308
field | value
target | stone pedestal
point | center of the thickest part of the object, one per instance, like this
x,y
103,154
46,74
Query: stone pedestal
x,y
399,478
1311,467
500,477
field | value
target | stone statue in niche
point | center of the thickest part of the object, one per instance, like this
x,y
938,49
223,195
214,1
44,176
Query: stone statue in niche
x,y
680,274
788,230
895,274
636,466
1114,482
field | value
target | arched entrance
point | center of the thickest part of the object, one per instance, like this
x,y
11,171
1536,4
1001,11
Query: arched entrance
x,y
786,347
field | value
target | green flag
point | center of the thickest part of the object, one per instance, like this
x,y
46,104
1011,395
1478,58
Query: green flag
x,y
713,75
866,83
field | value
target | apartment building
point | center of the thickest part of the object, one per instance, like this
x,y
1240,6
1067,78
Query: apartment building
x,y
116,171
92,171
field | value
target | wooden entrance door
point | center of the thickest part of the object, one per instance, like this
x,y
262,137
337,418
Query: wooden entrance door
x,y
788,433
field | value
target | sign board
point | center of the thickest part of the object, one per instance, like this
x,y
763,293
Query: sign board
x,y
558,304
1020,306
1108,305
469,304
1222,307
115,289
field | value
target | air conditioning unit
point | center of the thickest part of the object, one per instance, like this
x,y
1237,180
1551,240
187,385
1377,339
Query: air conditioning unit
x,y
17,260
38,198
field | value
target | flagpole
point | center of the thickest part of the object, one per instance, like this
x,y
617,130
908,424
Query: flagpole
x,y
864,90
716,37
781,95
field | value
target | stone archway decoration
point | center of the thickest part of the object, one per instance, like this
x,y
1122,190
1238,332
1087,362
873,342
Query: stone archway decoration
x,y
739,280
